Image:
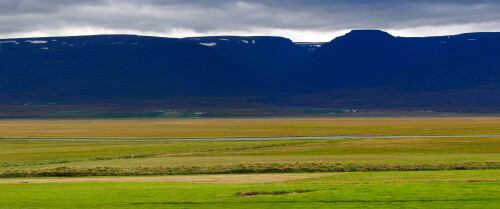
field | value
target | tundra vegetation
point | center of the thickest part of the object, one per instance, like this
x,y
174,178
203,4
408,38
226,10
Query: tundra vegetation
x,y
446,172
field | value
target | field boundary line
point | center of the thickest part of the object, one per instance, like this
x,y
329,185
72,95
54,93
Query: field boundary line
x,y
251,138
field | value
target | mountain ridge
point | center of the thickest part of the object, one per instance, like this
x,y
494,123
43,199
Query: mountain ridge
x,y
132,68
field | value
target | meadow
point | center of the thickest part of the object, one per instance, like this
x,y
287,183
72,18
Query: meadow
x,y
447,172
257,127
408,189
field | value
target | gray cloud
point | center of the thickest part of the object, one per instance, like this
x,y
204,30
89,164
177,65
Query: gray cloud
x,y
301,20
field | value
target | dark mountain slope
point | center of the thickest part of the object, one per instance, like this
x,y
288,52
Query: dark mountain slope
x,y
124,68
365,68
357,57
472,62
257,53
112,67
459,72
267,59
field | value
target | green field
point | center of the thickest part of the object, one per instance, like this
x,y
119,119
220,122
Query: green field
x,y
447,172
422,189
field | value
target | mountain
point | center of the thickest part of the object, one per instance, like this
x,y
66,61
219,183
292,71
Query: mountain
x,y
368,55
117,68
354,58
363,68
266,54
374,69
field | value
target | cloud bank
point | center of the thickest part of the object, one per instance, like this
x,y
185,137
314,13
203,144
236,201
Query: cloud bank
x,y
300,20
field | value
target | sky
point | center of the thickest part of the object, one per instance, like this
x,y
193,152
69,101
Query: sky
x,y
299,20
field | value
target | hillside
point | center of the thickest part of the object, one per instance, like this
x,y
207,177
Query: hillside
x,y
117,68
459,72
364,68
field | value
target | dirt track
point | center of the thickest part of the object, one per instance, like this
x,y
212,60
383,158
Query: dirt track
x,y
243,178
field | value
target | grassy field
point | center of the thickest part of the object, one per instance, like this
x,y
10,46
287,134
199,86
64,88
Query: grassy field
x,y
77,158
445,172
422,189
269,127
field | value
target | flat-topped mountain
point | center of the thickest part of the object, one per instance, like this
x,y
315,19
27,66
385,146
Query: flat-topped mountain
x,y
114,68
364,68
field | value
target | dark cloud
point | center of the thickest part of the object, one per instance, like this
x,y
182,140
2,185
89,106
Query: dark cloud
x,y
297,19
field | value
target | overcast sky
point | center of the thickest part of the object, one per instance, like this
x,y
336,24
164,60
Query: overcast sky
x,y
299,20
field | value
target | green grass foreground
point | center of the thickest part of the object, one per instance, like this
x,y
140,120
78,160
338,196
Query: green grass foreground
x,y
422,189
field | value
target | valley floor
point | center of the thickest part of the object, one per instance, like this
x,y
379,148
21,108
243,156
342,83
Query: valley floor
x,y
411,172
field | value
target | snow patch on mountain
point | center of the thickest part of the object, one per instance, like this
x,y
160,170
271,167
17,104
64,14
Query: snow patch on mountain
x,y
9,42
209,44
36,41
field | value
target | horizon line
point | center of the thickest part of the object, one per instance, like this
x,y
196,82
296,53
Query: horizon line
x,y
186,37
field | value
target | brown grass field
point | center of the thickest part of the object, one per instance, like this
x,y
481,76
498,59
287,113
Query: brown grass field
x,y
259,127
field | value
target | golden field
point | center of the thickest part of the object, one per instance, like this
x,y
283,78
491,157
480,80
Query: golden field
x,y
258,127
